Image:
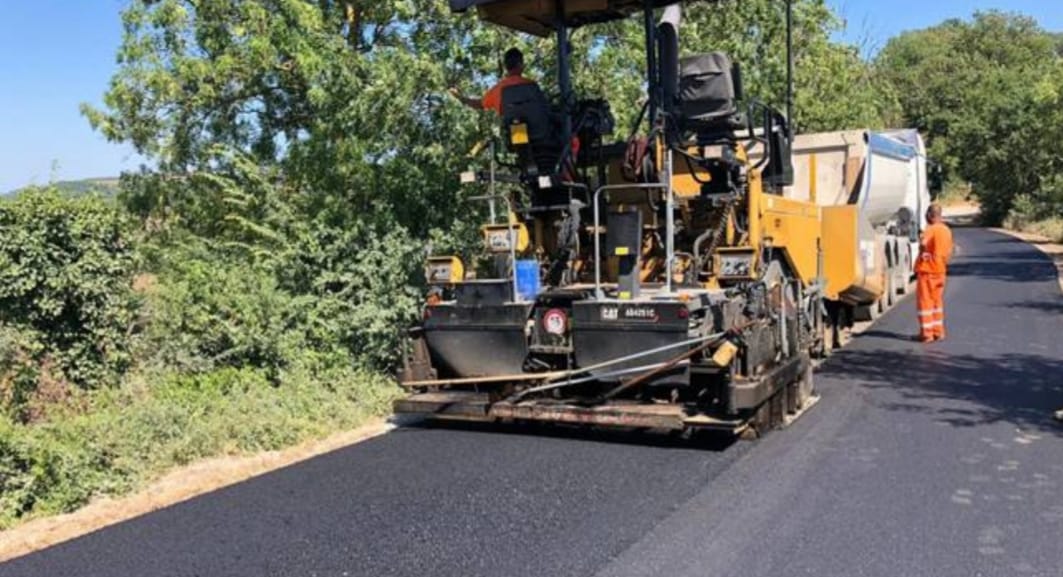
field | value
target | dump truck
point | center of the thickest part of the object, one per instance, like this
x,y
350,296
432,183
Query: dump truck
x,y
873,191
681,280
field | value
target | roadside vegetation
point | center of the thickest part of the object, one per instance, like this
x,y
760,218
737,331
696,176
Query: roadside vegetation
x,y
988,95
248,289
123,355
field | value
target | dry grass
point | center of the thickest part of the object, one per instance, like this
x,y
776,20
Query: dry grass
x,y
956,195
1050,228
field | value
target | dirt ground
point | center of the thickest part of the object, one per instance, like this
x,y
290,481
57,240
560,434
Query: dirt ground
x,y
962,213
179,485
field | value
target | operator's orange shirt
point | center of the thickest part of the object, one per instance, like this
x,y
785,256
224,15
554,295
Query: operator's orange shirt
x,y
492,99
935,250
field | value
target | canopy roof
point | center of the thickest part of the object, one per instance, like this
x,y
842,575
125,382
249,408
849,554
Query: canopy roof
x,y
538,16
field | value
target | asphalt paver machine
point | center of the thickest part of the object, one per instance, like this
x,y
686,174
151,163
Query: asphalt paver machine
x,y
661,283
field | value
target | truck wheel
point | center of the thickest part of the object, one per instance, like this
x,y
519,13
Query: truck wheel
x,y
890,298
869,312
904,287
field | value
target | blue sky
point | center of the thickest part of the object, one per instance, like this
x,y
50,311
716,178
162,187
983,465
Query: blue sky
x,y
56,54
870,23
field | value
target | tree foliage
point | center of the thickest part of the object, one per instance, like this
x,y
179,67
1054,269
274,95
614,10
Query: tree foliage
x,y
987,94
349,97
308,148
834,88
66,267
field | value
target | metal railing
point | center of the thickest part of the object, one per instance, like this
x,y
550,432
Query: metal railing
x,y
514,236
669,220
669,225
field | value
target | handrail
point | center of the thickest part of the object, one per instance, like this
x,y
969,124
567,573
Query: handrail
x,y
514,236
669,223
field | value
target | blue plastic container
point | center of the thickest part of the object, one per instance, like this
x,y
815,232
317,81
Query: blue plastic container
x,y
528,279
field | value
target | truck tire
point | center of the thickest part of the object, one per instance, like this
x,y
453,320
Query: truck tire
x,y
890,298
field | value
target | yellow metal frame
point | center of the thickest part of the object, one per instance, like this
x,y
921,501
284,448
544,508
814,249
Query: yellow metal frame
x,y
794,227
453,263
789,226
523,239
840,242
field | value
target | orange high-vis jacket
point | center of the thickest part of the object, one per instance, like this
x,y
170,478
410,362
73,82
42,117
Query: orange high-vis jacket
x,y
935,250
492,100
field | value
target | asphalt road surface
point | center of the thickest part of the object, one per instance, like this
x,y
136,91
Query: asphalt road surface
x,y
934,460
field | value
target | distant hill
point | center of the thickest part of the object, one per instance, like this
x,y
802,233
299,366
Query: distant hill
x,y
107,186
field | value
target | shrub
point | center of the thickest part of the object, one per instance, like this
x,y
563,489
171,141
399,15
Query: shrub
x,y
207,310
1024,211
18,368
361,284
158,420
66,269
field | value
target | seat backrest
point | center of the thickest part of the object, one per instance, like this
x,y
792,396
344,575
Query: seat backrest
x,y
708,90
526,103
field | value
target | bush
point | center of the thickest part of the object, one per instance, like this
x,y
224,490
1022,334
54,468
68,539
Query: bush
x,y
361,285
18,369
134,433
66,268
207,311
1024,211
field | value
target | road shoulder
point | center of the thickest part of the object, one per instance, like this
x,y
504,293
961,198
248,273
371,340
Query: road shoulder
x,y
1052,250
176,486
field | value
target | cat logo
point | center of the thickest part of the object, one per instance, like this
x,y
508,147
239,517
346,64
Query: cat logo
x,y
630,314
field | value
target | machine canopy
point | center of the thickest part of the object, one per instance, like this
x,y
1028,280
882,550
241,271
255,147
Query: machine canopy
x,y
538,16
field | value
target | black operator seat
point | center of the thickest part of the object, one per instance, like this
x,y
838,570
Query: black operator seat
x,y
526,104
710,86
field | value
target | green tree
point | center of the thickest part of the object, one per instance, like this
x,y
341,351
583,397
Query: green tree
x,y
982,92
315,139
834,88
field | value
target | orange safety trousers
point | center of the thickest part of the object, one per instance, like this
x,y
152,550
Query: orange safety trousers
x,y
930,293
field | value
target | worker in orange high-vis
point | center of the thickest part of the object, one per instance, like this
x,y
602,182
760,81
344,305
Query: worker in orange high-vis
x,y
935,250
492,99
513,61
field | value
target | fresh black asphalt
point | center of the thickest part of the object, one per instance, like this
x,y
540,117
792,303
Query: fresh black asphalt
x,y
934,460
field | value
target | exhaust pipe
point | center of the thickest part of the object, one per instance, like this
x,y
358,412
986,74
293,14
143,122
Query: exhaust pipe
x,y
668,54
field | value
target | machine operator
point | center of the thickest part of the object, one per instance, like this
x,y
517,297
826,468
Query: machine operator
x,y
935,250
492,99
513,61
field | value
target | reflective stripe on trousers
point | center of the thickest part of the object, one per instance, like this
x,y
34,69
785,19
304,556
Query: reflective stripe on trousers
x,y
930,294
